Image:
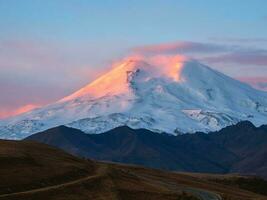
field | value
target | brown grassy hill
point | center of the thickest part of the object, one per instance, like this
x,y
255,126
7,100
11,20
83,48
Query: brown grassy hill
x,y
33,171
29,165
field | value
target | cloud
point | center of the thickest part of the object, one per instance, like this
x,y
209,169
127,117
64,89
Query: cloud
x,y
217,53
181,48
232,58
249,58
238,40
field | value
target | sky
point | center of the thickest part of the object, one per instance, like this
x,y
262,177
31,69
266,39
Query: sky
x,y
51,48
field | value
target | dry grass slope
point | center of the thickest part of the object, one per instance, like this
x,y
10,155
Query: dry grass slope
x,y
33,171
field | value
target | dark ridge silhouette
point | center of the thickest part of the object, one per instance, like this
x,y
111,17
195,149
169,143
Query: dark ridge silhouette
x,y
240,148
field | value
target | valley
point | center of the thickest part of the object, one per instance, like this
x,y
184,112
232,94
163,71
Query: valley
x,y
29,174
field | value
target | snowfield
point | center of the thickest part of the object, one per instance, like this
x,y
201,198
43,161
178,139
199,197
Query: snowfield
x,y
176,98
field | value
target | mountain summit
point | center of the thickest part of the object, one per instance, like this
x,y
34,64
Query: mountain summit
x,y
175,96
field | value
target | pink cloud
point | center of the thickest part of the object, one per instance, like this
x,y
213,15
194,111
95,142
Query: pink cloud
x,y
218,53
259,58
181,47
238,40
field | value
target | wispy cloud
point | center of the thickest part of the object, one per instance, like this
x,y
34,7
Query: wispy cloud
x,y
238,40
249,58
233,58
217,53
181,48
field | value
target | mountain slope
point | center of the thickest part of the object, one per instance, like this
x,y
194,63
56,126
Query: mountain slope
x,y
38,172
178,96
31,165
239,148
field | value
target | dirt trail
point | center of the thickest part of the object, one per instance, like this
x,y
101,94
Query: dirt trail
x,y
102,170
99,172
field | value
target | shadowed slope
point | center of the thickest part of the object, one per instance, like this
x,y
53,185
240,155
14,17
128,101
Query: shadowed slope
x,y
238,148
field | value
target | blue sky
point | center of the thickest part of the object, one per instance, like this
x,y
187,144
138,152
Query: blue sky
x,y
134,22
56,46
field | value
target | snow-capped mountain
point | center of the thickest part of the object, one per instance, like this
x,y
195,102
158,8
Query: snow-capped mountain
x,y
175,97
